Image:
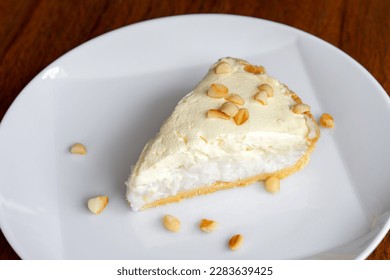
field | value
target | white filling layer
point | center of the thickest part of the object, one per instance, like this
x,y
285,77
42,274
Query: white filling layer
x,y
227,159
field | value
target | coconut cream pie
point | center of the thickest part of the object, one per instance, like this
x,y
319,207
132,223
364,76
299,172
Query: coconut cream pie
x,y
238,126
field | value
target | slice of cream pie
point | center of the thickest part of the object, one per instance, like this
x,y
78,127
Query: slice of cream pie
x,y
238,126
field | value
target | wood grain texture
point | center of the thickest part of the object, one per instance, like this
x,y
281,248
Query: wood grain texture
x,y
33,33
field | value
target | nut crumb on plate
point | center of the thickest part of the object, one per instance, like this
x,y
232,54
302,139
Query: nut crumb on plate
x,y
97,204
326,120
78,148
171,223
236,241
272,184
208,225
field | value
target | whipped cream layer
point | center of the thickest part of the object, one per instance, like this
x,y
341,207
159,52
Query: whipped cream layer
x,y
192,151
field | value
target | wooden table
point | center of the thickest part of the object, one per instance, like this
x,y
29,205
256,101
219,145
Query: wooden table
x,y
33,33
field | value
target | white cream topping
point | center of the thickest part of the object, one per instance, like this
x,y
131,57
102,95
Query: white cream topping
x,y
192,151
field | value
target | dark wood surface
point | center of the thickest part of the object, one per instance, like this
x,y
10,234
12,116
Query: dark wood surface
x,y
33,33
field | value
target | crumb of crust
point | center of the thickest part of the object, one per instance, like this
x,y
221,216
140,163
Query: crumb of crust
x,y
171,223
326,120
208,225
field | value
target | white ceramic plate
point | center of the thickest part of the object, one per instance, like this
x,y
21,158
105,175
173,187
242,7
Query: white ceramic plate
x,y
114,92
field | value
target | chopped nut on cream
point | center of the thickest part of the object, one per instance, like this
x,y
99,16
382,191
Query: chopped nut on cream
x,y
242,116
272,184
235,98
223,68
267,88
229,108
216,114
254,69
217,91
300,108
261,97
